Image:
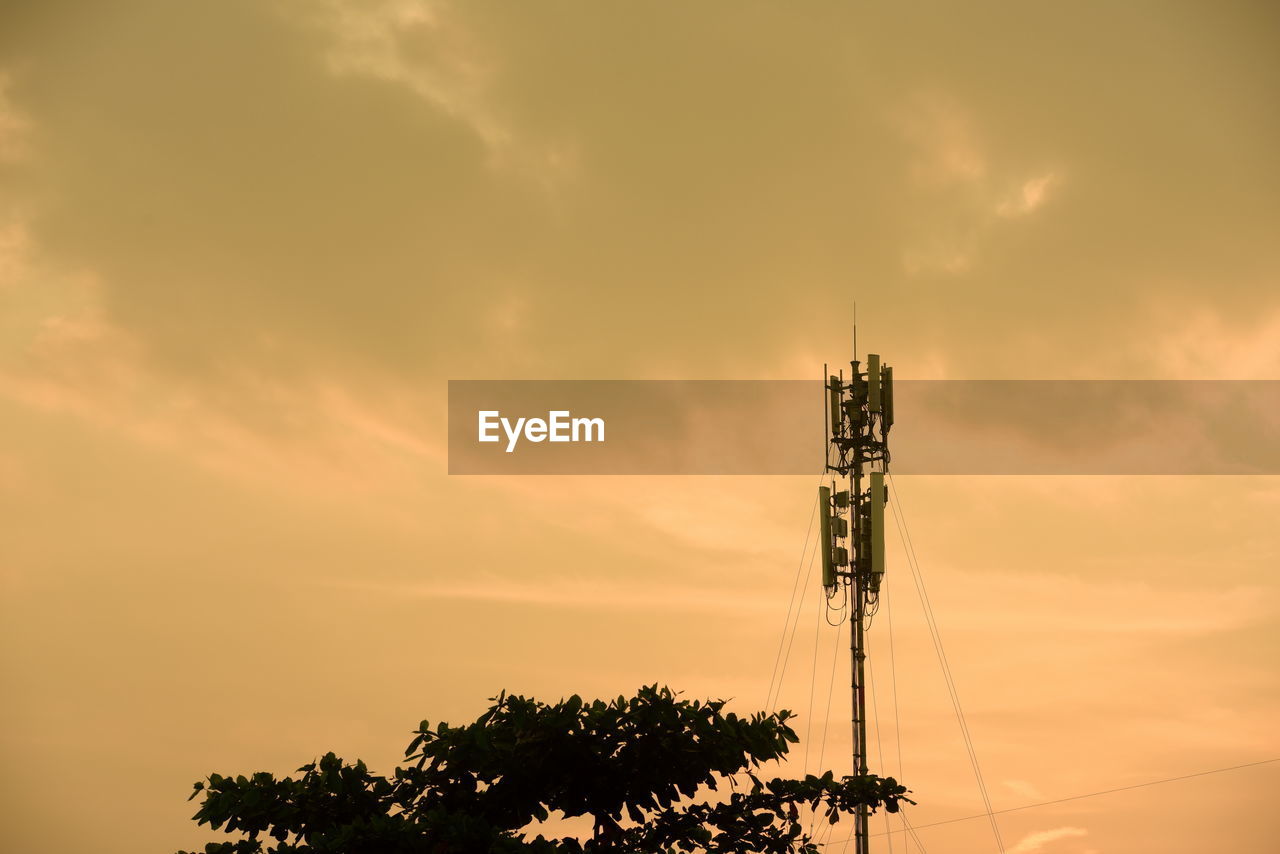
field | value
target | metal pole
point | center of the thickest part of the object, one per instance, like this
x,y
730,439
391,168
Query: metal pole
x,y
857,641
862,816
859,711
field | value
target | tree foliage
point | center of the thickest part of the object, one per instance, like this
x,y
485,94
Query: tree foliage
x,y
643,769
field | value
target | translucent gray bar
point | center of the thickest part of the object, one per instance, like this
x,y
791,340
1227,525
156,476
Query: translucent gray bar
x,y
716,427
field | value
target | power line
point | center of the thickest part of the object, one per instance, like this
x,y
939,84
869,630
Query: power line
x,y
826,719
897,720
1096,794
777,698
813,682
776,680
917,576
911,831
831,687
875,712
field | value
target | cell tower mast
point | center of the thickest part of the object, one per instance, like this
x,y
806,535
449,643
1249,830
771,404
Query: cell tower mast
x,y
859,414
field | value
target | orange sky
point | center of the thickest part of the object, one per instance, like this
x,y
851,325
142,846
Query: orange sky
x,y
243,246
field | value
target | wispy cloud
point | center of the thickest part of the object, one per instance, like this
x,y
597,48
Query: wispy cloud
x,y
428,47
62,353
1052,604
963,193
15,126
1204,344
1029,197
1024,789
947,145
595,596
1038,840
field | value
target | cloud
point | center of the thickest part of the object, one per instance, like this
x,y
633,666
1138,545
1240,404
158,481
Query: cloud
x,y
14,240
596,596
952,254
944,136
1038,840
63,353
428,47
1051,605
1025,789
958,186
1202,343
48,309
15,127
1033,193
420,44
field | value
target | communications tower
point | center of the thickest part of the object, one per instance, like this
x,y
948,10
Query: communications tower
x,y
859,414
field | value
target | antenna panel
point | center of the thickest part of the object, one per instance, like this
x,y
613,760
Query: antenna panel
x,y
887,381
873,382
824,507
834,387
876,511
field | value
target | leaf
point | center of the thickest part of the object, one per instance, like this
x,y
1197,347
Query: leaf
x,y
476,786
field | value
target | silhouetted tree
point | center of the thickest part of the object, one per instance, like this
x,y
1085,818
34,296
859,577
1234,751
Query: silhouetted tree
x,y
636,766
